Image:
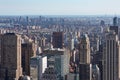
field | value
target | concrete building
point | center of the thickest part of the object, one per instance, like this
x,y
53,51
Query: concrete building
x,y
10,67
42,42
111,57
25,78
50,74
72,76
85,68
38,65
95,73
71,44
114,28
59,59
115,25
28,51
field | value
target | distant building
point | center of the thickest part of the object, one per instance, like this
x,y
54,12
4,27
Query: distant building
x,y
59,59
50,74
118,21
71,44
95,73
10,67
115,21
98,60
25,78
71,76
57,40
42,42
102,23
115,25
85,68
114,28
28,51
38,65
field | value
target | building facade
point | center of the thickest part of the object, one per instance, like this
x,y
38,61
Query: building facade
x,y
10,67
57,40
111,57
28,51
38,65
85,68
59,59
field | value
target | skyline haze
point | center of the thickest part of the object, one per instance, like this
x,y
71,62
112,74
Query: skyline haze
x,y
59,7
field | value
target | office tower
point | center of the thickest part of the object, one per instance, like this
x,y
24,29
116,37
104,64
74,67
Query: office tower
x,y
71,44
71,76
84,49
28,51
26,21
95,72
10,67
114,28
102,23
85,68
111,57
59,59
57,40
38,65
24,78
115,21
42,42
50,74
98,60
38,51
118,21
115,25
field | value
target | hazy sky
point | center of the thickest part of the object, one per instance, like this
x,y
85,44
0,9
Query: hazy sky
x,y
59,7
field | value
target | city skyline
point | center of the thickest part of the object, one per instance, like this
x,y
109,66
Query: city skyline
x,y
61,7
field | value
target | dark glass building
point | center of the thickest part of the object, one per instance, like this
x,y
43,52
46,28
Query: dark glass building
x,y
57,40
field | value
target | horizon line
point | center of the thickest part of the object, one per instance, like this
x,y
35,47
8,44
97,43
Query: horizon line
x,y
59,15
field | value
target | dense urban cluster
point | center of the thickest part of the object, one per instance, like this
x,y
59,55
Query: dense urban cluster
x,y
59,48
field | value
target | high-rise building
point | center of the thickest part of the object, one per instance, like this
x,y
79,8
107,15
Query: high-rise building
x,y
95,72
71,44
50,74
85,68
10,67
38,65
42,42
57,40
111,57
59,59
115,25
114,28
28,51
115,21
84,49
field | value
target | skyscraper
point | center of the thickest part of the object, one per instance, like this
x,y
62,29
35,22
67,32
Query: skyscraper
x,y
115,21
28,51
84,50
59,59
85,68
50,74
115,25
38,65
111,57
10,67
57,40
